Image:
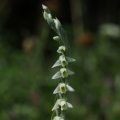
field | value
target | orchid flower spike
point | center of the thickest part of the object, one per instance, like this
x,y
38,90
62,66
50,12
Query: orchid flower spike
x,y
63,88
62,104
63,61
63,73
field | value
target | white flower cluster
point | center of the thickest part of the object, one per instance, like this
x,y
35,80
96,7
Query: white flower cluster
x,y
62,87
61,103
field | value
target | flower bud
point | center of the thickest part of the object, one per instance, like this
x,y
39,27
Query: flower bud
x,y
61,49
49,16
45,15
45,8
56,38
57,24
49,19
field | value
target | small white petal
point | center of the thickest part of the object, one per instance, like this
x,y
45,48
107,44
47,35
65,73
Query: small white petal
x,y
57,75
57,90
70,72
69,105
69,88
55,107
58,63
58,118
63,102
61,57
70,59
61,84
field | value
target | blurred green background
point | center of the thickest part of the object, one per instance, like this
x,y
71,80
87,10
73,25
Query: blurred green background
x,y
27,52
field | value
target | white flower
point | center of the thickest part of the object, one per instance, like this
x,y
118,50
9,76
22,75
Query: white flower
x,y
62,73
58,118
62,104
61,49
63,61
62,88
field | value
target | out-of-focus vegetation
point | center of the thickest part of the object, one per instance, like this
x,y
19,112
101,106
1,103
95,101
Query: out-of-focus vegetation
x,y
27,53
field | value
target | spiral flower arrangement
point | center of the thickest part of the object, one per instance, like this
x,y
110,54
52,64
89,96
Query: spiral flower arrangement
x,y
61,103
